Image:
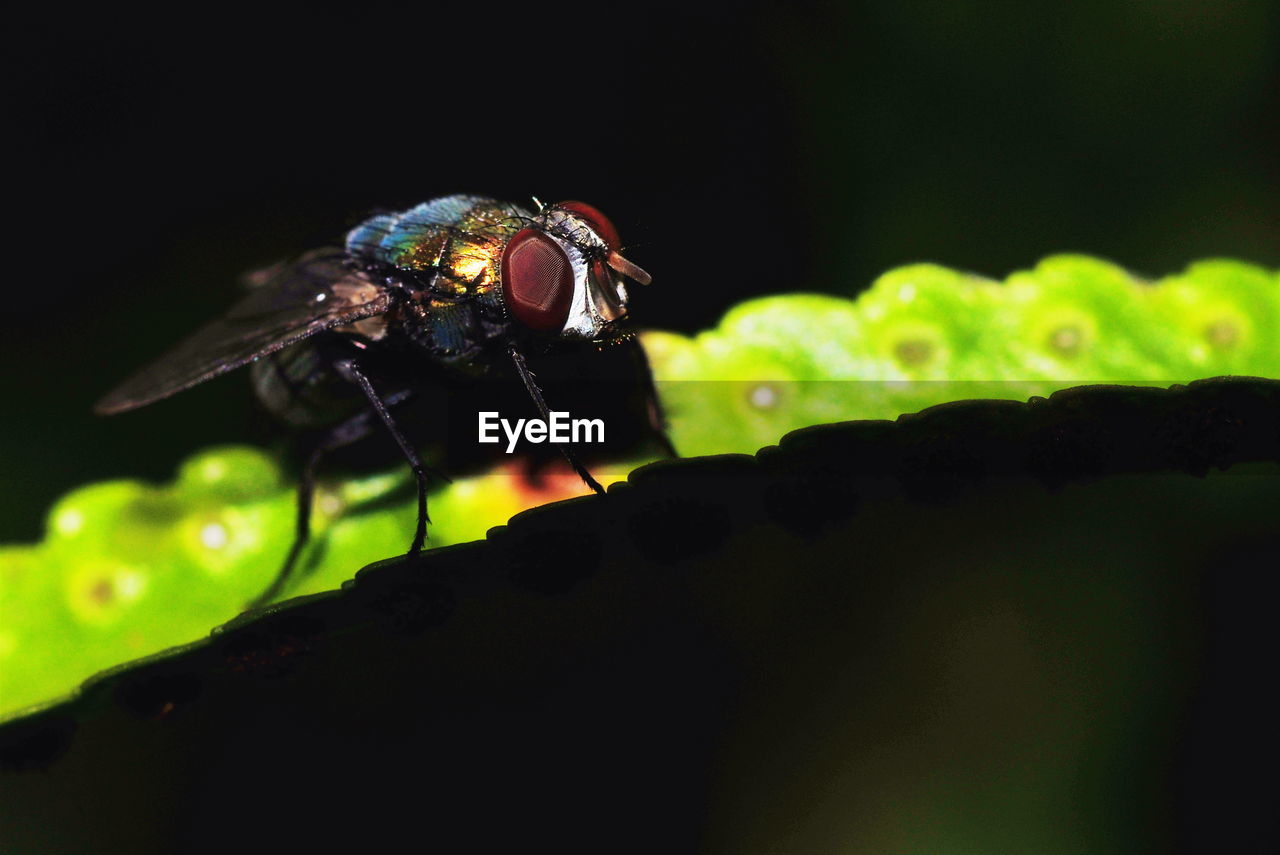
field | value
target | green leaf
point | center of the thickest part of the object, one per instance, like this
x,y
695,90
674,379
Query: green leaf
x,y
127,569
923,335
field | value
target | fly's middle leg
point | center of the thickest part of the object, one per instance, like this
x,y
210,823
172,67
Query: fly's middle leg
x,y
349,370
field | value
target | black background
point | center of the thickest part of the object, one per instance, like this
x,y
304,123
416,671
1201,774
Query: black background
x,y
742,150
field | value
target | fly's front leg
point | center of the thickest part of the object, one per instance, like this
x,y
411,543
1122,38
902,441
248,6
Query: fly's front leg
x,y
526,376
350,371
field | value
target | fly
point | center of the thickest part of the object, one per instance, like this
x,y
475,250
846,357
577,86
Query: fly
x,y
460,286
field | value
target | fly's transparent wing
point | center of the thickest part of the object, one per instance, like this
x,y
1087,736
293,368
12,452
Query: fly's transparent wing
x,y
316,293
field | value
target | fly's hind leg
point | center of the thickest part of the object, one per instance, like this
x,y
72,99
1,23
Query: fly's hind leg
x,y
343,434
339,436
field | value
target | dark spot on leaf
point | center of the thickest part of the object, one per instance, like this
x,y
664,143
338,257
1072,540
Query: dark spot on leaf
x,y
673,528
809,500
35,743
158,695
272,648
552,562
914,351
1063,450
412,608
936,467
1067,341
1222,334
1198,438
102,592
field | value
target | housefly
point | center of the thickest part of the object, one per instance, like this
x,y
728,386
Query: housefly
x,y
457,287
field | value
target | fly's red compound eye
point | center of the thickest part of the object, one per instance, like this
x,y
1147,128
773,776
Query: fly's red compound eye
x,y
608,233
537,280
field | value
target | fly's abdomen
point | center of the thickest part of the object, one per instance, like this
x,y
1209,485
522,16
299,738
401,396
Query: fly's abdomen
x,y
299,386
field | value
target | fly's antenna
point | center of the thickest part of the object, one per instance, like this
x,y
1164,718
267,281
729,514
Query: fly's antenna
x,y
627,269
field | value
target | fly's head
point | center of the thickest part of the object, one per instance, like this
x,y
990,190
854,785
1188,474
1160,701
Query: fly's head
x,y
562,275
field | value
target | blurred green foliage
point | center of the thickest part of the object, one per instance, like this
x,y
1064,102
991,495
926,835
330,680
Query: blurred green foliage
x,y
925,334
127,569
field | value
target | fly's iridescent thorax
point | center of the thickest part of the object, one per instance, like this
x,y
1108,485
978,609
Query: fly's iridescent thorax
x,y
456,240
552,272
448,251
